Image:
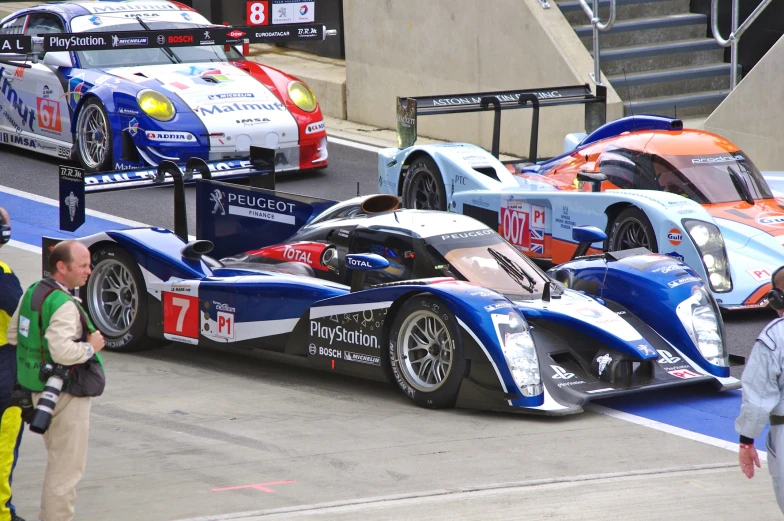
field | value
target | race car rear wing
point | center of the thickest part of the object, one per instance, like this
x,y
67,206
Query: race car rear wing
x,y
259,169
409,109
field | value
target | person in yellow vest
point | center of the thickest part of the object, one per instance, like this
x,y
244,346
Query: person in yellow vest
x,y
11,425
50,326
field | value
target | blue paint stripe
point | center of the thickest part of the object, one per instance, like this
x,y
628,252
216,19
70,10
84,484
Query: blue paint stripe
x,y
696,409
31,220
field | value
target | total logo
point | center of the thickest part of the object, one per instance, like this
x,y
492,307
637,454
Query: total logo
x,y
675,236
357,263
771,218
303,10
297,255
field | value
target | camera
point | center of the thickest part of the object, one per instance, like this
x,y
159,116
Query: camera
x,y
55,376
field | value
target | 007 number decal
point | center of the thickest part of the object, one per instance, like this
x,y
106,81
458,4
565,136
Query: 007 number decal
x,y
180,315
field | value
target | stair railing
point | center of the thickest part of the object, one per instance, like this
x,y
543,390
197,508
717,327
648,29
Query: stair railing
x,y
735,34
593,14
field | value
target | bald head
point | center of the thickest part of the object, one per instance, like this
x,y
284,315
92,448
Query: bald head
x,y
69,263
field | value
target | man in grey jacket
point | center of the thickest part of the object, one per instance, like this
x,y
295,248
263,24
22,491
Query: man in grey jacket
x,y
763,395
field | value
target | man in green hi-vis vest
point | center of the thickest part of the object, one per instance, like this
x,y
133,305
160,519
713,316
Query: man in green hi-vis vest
x,y
57,330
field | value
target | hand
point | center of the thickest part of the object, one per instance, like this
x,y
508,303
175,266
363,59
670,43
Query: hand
x,y
96,340
747,458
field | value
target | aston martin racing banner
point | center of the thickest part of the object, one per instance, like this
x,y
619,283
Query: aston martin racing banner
x,y
217,35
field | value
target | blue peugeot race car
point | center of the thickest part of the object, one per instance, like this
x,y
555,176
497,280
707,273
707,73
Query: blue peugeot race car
x,y
437,303
157,94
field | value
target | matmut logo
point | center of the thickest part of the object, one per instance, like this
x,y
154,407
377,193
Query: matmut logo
x,y
241,107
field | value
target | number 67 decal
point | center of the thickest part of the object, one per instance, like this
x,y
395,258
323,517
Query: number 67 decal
x,y
180,315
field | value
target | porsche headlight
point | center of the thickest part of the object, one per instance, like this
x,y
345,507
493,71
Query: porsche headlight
x,y
710,245
156,105
700,316
302,96
519,351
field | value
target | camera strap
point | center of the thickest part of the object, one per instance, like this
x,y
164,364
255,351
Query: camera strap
x,y
45,288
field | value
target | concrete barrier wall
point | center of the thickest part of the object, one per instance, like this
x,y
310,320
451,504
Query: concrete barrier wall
x,y
425,47
751,116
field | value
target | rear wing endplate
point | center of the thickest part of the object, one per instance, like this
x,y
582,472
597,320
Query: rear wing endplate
x,y
409,109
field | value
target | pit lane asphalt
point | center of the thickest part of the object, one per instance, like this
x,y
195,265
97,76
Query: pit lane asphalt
x,y
37,174
199,434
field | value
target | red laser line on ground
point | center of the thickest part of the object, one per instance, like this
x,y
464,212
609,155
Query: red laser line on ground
x,y
258,486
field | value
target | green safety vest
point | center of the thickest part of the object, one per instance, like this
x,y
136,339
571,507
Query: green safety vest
x,y
40,302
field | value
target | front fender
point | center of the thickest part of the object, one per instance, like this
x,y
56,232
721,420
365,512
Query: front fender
x,y
471,305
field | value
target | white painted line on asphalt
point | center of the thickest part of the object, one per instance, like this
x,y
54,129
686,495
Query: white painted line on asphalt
x,y
24,246
356,505
53,202
353,144
677,431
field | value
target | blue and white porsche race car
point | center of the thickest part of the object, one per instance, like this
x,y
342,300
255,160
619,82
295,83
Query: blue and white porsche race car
x,y
141,101
436,303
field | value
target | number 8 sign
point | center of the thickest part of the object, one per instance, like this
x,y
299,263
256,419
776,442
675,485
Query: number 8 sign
x,y
258,12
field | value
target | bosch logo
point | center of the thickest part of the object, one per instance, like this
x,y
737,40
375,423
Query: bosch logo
x,y
312,349
161,39
236,34
182,38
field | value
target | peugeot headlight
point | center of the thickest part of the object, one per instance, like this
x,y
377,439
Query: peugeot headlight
x,y
700,316
156,105
519,352
302,96
710,245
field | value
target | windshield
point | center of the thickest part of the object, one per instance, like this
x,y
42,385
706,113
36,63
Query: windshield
x,y
474,256
155,55
707,179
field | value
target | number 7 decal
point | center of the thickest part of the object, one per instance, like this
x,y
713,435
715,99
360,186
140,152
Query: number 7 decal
x,y
180,317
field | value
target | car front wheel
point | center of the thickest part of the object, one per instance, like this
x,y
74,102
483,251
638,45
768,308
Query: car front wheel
x,y
93,137
425,352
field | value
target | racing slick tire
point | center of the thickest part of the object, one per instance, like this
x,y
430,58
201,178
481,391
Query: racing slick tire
x,y
93,138
115,299
430,375
631,229
423,188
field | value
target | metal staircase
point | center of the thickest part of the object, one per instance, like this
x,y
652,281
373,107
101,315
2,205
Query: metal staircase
x,y
671,65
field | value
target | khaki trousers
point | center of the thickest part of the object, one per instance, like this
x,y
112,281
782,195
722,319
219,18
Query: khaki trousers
x,y
66,445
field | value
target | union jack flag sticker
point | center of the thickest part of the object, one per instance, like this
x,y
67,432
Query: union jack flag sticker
x,y
537,241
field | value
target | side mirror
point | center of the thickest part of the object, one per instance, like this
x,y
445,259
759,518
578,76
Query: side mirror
x,y
195,249
362,262
595,178
585,236
58,59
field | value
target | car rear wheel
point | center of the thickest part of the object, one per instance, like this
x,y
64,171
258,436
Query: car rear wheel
x,y
631,229
425,352
116,300
423,188
93,137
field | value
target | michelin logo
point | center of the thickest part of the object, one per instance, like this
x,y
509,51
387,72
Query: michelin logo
x,y
349,356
